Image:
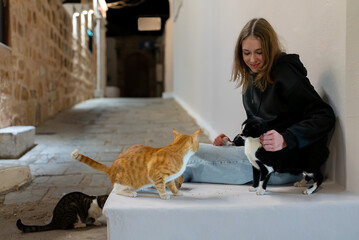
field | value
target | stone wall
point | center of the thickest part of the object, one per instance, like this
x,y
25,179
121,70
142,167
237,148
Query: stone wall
x,y
47,67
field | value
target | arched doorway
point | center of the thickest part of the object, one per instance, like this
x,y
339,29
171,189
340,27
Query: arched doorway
x,y
137,76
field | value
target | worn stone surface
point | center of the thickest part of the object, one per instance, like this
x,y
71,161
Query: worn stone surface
x,y
100,128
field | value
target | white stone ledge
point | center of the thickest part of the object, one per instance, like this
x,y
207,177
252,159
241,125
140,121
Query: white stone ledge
x,y
16,140
215,211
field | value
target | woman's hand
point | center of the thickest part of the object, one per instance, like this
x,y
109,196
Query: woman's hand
x,y
221,140
272,141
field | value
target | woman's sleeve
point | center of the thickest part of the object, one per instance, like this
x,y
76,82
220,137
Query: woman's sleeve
x,y
317,118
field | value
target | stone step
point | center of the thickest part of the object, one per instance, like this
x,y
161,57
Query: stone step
x,y
219,211
15,141
14,177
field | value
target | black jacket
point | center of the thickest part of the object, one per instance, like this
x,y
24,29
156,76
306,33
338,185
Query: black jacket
x,y
290,105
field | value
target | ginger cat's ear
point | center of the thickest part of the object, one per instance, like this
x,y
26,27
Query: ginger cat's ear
x,y
196,135
175,133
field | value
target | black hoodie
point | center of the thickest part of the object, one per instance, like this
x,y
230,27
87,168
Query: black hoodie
x,y
290,105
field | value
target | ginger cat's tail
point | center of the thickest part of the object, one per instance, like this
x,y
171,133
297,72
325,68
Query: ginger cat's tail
x,y
89,161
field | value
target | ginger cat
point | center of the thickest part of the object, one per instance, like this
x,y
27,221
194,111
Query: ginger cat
x,y
142,166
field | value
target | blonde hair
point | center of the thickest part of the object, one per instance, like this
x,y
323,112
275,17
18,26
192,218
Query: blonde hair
x,y
271,49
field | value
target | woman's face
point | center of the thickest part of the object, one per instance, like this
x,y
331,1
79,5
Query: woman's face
x,y
252,53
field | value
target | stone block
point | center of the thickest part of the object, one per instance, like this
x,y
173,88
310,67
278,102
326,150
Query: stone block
x,y
16,140
14,177
220,211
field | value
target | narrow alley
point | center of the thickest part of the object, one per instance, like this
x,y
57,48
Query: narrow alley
x,y
99,128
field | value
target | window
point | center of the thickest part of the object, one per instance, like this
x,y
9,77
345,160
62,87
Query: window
x,y
90,34
149,24
4,21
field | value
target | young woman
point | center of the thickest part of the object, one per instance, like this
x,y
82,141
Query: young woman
x,y
275,88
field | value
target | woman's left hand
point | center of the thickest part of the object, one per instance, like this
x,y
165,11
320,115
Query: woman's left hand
x,y
272,141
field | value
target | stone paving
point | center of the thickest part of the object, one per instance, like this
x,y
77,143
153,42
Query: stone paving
x,y
99,128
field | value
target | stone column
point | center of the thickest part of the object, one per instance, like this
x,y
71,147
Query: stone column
x,y
168,58
100,36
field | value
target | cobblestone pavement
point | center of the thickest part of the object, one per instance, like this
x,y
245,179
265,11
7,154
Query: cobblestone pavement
x,y
99,128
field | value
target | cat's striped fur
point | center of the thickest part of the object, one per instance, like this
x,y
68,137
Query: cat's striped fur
x,y
142,166
74,210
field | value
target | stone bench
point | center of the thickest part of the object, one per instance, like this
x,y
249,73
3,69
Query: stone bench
x,y
12,178
216,211
16,140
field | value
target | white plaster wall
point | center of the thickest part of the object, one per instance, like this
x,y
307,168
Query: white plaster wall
x,y
352,96
205,33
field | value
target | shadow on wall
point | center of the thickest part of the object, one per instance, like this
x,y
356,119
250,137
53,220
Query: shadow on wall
x,y
335,167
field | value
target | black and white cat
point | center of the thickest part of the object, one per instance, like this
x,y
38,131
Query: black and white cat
x,y
307,160
74,210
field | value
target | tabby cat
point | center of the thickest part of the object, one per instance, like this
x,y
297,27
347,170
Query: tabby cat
x,y
142,166
74,210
